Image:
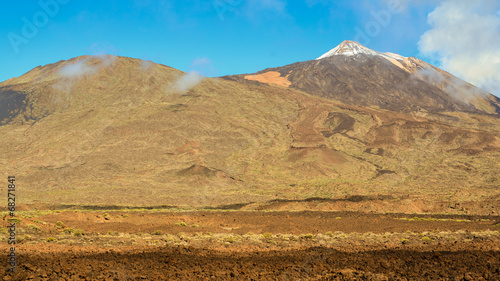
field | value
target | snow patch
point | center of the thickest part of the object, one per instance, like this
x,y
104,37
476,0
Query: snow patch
x,y
348,48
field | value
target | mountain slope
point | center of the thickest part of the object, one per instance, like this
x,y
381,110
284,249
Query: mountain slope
x,y
125,128
354,74
118,131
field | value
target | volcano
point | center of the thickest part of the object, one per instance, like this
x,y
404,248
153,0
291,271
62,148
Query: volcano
x,y
353,74
355,122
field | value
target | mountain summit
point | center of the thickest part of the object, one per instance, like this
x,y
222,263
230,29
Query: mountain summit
x,y
348,48
351,48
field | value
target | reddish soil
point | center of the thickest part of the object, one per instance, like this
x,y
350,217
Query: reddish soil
x,y
240,222
271,77
293,246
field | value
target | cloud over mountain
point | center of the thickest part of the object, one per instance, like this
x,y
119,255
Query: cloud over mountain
x,y
188,81
465,40
71,72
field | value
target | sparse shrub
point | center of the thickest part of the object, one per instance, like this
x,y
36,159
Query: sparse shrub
x,y
37,221
125,215
230,239
14,220
33,228
404,241
78,232
338,218
308,236
69,230
267,235
427,239
181,223
195,225
157,232
113,233
329,233
59,224
51,239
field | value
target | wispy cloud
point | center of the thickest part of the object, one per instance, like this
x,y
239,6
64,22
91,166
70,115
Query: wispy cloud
x,y
71,72
187,81
457,88
204,66
465,40
431,76
76,70
146,65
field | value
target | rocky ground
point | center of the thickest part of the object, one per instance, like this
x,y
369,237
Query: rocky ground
x,y
236,245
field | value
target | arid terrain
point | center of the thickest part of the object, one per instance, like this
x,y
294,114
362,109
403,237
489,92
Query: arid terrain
x,y
123,135
162,244
365,167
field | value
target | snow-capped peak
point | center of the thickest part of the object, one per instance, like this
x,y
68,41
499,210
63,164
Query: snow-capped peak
x,y
348,48
351,48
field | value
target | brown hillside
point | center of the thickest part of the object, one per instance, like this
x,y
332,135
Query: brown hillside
x,y
123,135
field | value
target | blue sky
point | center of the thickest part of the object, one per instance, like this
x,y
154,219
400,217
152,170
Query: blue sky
x,y
215,37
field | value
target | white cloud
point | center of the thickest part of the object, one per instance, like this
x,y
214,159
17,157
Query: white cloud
x,y
146,65
76,69
188,81
465,40
71,72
